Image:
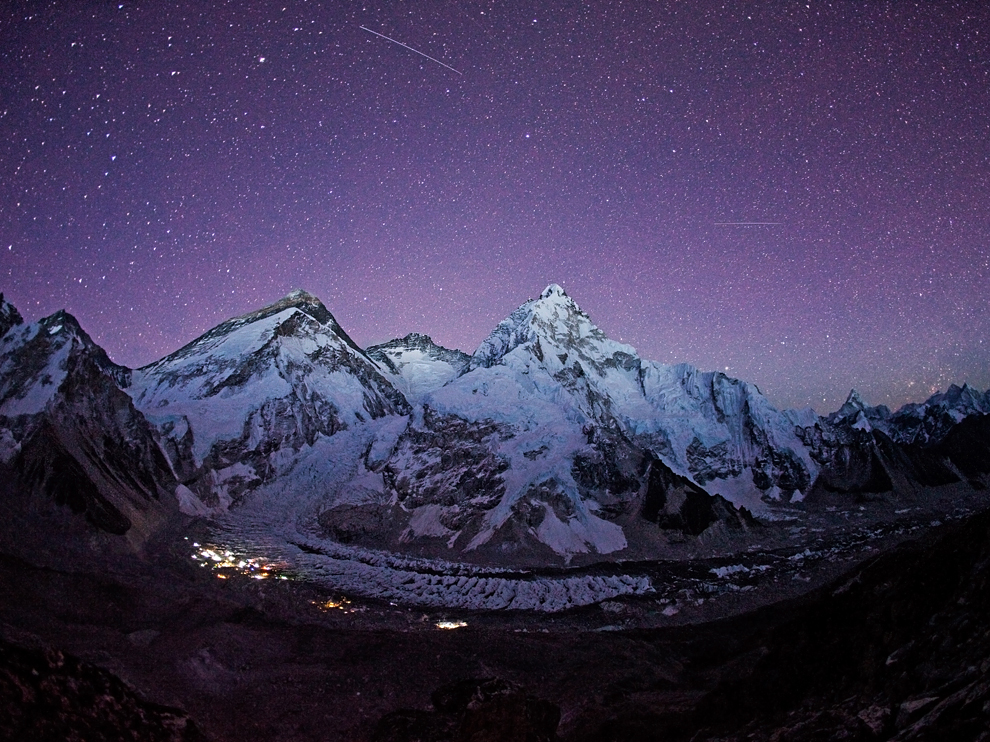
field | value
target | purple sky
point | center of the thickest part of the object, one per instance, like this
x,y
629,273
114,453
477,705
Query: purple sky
x,y
166,165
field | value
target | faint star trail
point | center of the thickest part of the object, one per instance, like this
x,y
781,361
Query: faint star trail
x,y
698,211
406,46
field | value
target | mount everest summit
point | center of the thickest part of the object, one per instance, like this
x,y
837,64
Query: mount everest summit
x,y
550,442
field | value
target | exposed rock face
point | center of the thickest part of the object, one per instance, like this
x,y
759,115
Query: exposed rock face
x,y
446,462
475,710
675,503
73,436
50,695
9,316
609,472
898,650
854,468
967,446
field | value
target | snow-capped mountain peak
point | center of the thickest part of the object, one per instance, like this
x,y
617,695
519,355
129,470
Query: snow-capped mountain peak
x,y
416,365
35,359
73,434
415,340
855,400
858,415
853,405
551,441
268,381
930,421
300,295
297,301
551,323
305,302
962,397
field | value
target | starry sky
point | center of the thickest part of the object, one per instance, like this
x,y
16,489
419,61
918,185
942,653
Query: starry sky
x,y
794,193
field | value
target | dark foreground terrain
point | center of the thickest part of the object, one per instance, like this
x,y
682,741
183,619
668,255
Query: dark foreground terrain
x,y
156,648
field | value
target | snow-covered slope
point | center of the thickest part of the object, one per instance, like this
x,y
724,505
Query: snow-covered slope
x,y
71,436
930,421
236,403
704,424
546,442
416,365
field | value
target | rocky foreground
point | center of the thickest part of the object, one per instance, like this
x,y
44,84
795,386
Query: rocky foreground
x,y
898,647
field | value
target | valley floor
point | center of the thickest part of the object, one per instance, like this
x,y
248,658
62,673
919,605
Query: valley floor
x,y
873,632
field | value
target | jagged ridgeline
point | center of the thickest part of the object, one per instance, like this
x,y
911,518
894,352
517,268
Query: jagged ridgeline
x,y
549,441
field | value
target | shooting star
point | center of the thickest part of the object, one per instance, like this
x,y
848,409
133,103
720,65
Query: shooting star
x,y
748,224
406,46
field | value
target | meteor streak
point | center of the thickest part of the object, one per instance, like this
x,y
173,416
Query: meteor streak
x,y
747,224
406,46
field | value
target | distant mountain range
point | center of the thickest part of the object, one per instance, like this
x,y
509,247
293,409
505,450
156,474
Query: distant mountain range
x,y
549,441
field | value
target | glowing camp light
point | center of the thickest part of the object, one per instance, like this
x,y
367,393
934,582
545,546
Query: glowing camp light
x,y
337,604
257,568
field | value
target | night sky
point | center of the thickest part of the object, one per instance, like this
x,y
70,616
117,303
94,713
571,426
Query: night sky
x,y
167,165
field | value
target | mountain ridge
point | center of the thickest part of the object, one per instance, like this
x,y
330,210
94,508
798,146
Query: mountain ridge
x,y
551,441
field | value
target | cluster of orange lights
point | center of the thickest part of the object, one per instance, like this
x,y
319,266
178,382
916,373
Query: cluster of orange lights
x,y
225,563
336,604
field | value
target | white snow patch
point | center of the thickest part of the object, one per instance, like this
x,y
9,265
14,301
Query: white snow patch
x,y
419,372
862,423
40,390
189,504
425,521
741,492
734,569
577,536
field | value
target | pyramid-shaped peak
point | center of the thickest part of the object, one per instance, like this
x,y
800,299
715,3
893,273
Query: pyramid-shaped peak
x,y
853,406
299,298
300,295
956,391
554,323
855,400
959,396
552,291
295,299
418,338
412,341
